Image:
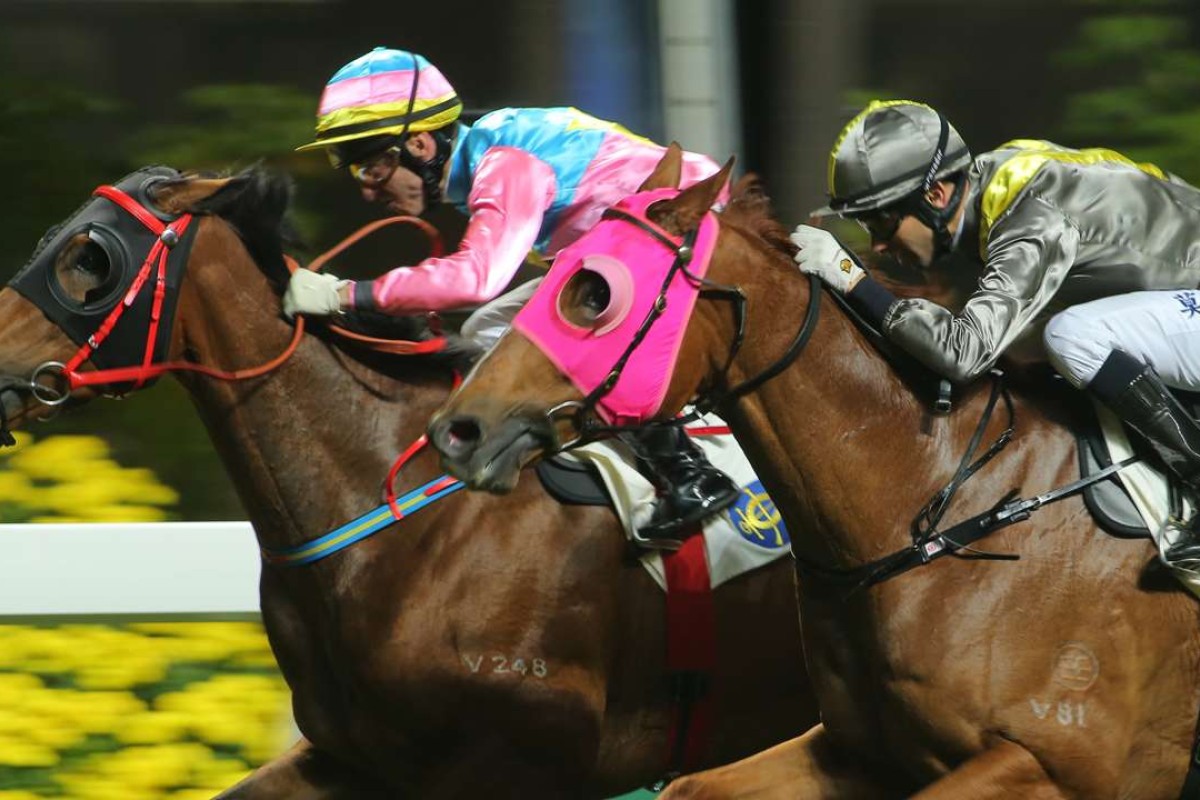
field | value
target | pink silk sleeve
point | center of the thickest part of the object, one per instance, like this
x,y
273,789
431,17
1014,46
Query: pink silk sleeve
x,y
510,194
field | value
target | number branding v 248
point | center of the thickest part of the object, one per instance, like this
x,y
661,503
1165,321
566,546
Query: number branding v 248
x,y
499,664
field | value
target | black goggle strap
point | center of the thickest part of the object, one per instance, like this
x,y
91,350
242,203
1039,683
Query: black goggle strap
x,y
939,154
430,172
938,219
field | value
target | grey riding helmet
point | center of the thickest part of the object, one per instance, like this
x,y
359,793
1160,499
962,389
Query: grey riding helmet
x,y
892,150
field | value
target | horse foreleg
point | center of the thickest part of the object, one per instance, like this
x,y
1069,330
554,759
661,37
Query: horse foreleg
x,y
809,766
305,773
1003,771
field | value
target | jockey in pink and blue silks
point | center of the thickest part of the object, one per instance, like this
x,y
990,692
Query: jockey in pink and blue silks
x,y
528,179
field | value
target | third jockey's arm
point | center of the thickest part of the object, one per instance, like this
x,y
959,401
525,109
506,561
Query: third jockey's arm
x,y
1029,253
510,193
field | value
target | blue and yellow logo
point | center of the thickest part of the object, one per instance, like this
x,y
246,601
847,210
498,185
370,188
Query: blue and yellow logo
x,y
757,519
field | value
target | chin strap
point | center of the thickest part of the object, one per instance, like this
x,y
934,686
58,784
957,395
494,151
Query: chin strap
x,y
430,172
938,219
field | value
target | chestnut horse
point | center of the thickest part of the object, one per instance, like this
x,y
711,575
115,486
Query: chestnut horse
x,y
1071,672
485,647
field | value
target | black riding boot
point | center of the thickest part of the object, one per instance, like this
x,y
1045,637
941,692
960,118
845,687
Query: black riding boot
x,y
691,487
1136,393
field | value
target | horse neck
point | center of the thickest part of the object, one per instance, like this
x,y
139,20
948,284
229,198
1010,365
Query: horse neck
x,y
308,445
845,447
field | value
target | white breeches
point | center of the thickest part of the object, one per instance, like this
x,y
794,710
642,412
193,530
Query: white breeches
x,y
489,322
1159,328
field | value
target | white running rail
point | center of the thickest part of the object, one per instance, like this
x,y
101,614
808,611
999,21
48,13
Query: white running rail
x,y
137,568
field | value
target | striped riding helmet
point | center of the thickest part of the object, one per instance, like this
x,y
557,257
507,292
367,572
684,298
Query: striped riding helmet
x,y
893,149
383,93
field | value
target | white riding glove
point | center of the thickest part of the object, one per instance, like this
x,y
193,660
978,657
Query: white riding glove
x,y
311,292
821,254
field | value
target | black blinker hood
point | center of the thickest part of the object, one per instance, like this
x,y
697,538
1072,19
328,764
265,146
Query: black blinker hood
x,y
126,242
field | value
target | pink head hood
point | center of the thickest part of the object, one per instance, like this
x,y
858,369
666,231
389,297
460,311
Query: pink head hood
x,y
634,264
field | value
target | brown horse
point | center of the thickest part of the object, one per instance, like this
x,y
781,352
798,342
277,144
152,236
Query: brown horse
x,y
1071,672
486,647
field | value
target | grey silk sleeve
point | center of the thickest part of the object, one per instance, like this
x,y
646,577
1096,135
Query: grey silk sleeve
x,y
1029,252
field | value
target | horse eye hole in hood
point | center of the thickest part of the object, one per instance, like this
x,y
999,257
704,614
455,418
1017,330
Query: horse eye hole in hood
x,y
87,274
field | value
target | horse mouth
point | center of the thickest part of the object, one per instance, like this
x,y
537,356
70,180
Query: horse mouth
x,y
495,464
17,405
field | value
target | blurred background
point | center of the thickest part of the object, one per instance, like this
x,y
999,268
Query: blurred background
x,y
92,89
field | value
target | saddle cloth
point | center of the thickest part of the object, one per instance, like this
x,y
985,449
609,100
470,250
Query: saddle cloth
x,y
745,536
1148,490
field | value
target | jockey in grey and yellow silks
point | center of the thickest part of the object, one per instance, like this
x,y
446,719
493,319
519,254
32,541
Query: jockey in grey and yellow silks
x,y
1052,227
1104,251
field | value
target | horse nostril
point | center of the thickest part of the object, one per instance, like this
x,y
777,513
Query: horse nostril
x,y
463,431
457,437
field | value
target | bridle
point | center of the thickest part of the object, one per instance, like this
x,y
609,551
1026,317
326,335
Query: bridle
x,y
168,236
582,414
169,233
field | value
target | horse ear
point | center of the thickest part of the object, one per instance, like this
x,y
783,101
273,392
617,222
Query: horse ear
x,y
183,195
667,174
685,211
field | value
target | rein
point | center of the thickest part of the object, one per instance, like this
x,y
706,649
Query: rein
x,y
169,234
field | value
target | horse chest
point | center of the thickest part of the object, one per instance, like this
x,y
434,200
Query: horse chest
x,y
879,686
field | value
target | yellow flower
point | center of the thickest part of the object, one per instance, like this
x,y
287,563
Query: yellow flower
x,y
14,487
74,479
16,752
60,457
152,727
38,724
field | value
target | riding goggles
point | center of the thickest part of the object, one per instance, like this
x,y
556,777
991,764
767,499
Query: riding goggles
x,y
880,225
376,170
360,151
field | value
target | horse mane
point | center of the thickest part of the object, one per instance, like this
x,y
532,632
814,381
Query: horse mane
x,y
255,202
749,209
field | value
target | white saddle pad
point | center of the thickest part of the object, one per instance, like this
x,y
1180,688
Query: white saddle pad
x,y
745,536
1148,489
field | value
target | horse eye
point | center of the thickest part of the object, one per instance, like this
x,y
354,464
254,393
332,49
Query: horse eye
x,y
584,298
92,260
84,271
596,295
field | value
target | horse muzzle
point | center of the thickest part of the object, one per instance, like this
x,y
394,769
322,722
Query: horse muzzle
x,y
489,458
